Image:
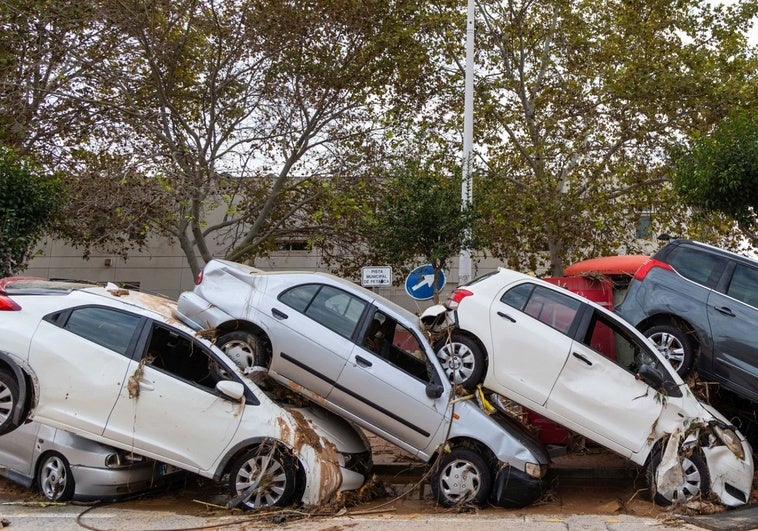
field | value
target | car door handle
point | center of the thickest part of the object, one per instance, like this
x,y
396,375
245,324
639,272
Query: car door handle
x,y
278,313
725,310
146,386
363,362
585,360
506,316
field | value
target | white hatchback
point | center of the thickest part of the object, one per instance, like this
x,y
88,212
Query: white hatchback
x,y
115,366
574,362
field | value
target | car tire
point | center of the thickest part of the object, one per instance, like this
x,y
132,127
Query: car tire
x,y
54,478
462,360
271,475
461,477
243,348
675,345
696,481
9,398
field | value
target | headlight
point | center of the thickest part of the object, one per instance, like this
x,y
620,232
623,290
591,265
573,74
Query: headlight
x,y
536,471
730,439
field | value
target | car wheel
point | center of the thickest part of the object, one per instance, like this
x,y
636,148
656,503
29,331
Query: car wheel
x,y
8,400
262,477
243,348
675,345
462,360
695,481
54,478
461,477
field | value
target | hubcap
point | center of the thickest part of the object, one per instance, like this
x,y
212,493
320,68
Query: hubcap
x,y
240,353
6,403
266,477
690,486
457,360
460,481
670,347
53,478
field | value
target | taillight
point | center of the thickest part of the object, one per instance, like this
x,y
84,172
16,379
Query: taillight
x,y
199,278
8,305
646,266
456,297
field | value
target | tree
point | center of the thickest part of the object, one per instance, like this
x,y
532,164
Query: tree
x,y
416,218
29,200
577,105
719,171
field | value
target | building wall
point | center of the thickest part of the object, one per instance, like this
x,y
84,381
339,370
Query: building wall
x,y
162,269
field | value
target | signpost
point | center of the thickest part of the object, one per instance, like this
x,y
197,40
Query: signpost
x,y
375,276
420,283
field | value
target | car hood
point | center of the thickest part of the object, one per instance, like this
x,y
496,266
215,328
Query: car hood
x,y
347,437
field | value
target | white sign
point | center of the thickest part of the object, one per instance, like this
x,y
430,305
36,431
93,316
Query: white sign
x,y
376,276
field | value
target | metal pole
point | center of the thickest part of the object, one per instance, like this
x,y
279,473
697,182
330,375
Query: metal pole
x,y
464,264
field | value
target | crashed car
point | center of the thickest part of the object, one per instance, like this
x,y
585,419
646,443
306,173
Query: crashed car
x,y
115,366
64,466
365,358
579,365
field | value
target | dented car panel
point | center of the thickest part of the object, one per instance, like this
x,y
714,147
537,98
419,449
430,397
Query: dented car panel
x,y
152,387
579,365
362,357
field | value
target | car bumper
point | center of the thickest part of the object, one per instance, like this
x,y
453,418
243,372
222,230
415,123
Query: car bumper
x,y
514,489
97,483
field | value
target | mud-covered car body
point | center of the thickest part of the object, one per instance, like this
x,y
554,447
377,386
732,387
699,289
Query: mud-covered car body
x,y
576,363
366,359
65,466
115,366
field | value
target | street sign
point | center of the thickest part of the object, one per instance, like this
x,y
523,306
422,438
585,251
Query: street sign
x,y
376,276
420,283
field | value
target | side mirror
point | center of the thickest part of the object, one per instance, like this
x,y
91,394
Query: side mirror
x,y
230,389
651,376
434,390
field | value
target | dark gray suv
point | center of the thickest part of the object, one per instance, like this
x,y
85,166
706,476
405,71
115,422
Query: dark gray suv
x,y
699,305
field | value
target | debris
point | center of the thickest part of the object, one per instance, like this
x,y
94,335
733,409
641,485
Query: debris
x,y
670,474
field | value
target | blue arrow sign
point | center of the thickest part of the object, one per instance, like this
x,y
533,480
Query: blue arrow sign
x,y
420,283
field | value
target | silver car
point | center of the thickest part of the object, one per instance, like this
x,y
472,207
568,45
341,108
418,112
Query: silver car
x,y
366,359
65,466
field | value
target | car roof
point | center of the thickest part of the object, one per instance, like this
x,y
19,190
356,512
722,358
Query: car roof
x,y
149,305
330,278
712,248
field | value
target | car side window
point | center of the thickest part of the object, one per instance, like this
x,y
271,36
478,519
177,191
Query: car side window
x,y
182,357
607,337
698,266
744,285
335,309
107,327
397,345
544,304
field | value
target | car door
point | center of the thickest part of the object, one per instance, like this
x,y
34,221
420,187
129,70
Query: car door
x,y
81,358
597,393
529,326
384,385
311,328
169,408
733,318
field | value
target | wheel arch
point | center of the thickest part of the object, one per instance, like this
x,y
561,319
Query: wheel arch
x,y
240,325
27,385
675,321
473,337
472,444
249,444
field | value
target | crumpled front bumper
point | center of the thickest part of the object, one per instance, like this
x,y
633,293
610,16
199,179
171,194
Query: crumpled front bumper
x,y
514,489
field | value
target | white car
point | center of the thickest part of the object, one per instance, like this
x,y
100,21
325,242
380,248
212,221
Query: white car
x,y
65,466
115,366
576,363
366,359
